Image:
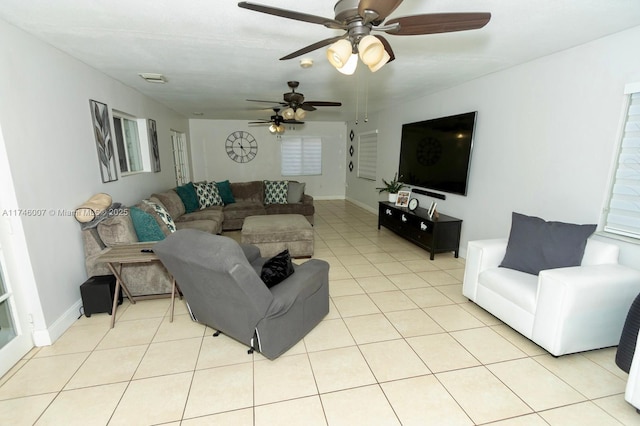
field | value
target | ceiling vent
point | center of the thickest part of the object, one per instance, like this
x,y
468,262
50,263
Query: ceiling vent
x,y
153,78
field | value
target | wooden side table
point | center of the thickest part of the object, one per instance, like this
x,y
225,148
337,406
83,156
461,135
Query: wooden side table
x,y
117,256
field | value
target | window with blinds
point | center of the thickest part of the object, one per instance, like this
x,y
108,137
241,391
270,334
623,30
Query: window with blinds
x,y
367,155
623,213
301,156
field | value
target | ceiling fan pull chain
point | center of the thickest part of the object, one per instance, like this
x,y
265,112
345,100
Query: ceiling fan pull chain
x,y
357,97
366,99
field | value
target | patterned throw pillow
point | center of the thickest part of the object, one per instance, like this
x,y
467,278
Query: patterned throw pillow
x,y
208,194
163,214
275,192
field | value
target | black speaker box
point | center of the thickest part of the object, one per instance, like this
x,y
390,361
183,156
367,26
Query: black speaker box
x,y
97,294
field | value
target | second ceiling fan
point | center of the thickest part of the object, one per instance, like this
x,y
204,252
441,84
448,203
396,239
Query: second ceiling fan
x,y
359,18
295,107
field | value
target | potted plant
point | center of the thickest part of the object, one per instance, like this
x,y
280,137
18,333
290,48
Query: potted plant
x,y
392,187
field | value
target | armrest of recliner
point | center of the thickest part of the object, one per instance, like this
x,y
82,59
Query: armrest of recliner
x,y
481,255
632,391
583,307
251,252
306,280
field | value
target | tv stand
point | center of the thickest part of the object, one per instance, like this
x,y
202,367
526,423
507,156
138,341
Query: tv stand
x,y
437,235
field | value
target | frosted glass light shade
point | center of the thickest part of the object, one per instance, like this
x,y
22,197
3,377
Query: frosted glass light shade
x,y
350,67
288,114
370,49
381,62
300,114
280,129
273,128
339,53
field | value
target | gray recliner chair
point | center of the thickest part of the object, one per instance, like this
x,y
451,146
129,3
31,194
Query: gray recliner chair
x,y
220,280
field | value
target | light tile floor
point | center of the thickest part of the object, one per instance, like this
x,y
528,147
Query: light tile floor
x,y
401,345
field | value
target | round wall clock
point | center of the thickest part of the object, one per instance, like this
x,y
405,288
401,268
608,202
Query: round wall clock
x,y
413,204
241,146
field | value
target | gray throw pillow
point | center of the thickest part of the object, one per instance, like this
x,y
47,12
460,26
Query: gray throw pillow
x,y
535,245
295,192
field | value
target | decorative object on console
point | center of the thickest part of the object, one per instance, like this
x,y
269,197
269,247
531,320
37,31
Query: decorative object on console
x,y
392,187
241,146
432,209
403,198
413,204
104,143
155,149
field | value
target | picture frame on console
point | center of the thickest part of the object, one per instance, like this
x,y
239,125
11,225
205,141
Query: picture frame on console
x,y
432,209
403,198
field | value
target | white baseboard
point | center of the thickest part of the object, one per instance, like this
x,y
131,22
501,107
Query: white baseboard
x,y
47,336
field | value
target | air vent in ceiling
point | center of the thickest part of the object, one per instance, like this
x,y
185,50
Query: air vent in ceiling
x,y
153,77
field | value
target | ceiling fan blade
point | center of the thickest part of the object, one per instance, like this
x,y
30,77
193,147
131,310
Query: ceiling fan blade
x,y
433,23
267,102
290,14
383,8
307,106
312,47
387,47
259,122
292,122
322,103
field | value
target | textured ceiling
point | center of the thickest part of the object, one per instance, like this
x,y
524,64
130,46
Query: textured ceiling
x,y
216,55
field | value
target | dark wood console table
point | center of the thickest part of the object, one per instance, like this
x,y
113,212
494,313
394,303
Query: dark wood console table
x,y
437,235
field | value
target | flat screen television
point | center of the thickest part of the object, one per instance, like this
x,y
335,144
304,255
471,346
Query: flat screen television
x,y
436,154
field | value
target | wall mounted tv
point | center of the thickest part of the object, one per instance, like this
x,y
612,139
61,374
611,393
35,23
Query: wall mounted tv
x,y
436,154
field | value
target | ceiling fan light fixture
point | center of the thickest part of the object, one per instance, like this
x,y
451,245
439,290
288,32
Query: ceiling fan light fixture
x,y
288,114
280,129
385,58
350,67
370,49
300,114
273,128
339,53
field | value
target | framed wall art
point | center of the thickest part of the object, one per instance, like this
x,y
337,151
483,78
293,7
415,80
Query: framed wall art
x,y
104,142
153,141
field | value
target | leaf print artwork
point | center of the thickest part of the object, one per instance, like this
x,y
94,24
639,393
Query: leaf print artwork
x,y
104,143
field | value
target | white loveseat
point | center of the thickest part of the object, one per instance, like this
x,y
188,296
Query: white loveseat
x,y
564,310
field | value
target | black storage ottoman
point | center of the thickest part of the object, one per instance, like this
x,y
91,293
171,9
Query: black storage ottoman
x,y
97,294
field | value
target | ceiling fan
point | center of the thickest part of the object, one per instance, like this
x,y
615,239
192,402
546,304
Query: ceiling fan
x,y
294,103
359,18
276,122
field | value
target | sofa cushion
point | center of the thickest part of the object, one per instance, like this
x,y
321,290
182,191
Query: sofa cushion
x,y
295,192
145,225
224,188
213,213
189,197
208,226
275,192
535,245
208,195
242,209
276,269
520,288
117,230
171,202
248,191
163,214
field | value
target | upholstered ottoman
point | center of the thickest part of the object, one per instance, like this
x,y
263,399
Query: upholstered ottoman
x,y
277,232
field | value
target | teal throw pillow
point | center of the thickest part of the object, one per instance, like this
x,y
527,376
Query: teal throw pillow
x,y
275,192
147,229
189,198
224,188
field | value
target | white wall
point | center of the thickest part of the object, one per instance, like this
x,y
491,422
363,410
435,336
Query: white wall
x,y
546,135
210,160
44,111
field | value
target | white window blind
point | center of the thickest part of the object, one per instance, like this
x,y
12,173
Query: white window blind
x,y
367,155
301,156
623,215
